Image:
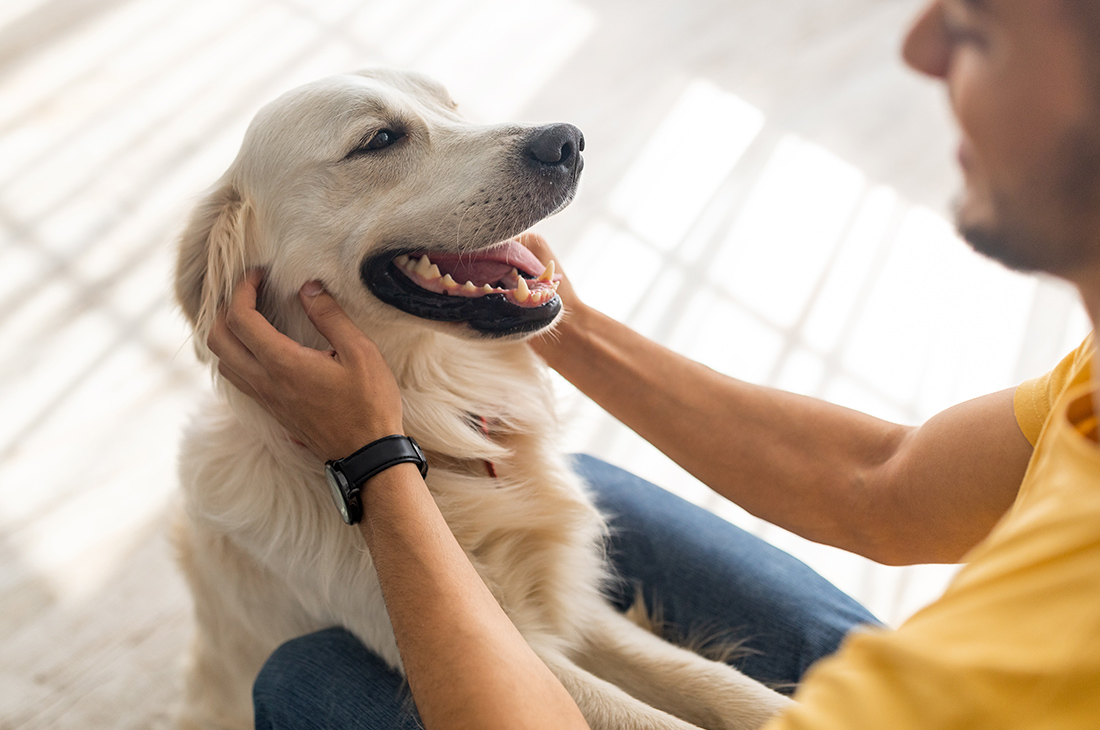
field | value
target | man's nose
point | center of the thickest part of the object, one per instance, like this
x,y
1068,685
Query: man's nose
x,y
926,47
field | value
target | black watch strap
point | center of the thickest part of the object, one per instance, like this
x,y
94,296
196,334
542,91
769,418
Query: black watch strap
x,y
377,456
346,476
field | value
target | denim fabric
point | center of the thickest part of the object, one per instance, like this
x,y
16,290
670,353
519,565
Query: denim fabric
x,y
703,577
330,681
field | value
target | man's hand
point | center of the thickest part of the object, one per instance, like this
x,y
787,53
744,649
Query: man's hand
x,y
466,663
574,308
333,401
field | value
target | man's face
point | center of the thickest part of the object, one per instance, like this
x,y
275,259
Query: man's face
x,y
1019,76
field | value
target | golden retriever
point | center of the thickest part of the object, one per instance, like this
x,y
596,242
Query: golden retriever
x,y
373,184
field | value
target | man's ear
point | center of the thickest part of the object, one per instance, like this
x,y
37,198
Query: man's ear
x,y
214,253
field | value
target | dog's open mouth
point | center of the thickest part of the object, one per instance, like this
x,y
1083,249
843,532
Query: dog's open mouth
x,y
501,290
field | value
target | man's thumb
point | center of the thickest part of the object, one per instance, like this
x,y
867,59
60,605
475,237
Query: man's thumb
x,y
538,246
326,315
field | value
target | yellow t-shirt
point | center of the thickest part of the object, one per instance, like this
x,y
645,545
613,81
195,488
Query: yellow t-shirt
x,y
1015,640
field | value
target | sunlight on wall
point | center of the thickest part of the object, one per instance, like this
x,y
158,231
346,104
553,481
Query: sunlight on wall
x,y
621,261
786,234
941,324
827,321
690,153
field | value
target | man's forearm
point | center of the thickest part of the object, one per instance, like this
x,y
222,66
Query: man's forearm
x,y
467,665
800,463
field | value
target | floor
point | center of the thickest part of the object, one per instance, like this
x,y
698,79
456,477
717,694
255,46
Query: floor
x,y
766,190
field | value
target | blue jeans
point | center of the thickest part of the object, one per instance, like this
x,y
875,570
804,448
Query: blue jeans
x,y
699,573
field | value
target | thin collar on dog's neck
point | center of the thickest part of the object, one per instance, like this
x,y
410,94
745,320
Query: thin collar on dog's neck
x,y
484,428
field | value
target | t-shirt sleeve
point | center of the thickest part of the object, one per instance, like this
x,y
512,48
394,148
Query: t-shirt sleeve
x,y
1035,398
985,655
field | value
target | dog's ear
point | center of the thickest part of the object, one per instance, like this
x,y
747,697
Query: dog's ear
x,y
214,252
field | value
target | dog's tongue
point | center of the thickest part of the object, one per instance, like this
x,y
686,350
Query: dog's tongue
x,y
490,265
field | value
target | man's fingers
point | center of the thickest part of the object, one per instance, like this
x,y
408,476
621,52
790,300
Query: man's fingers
x,y
230,350
329,318
538,246
243,299
267,344
240,383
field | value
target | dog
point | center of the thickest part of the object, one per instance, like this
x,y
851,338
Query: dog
x,y
373,184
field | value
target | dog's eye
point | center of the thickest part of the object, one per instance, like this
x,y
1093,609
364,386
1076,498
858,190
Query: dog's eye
x,y
379,140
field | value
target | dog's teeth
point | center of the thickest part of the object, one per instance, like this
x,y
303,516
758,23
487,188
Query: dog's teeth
x,y
449,282
555,284
488,289
424,266
434,272
469,287
401,261
548,275
522,292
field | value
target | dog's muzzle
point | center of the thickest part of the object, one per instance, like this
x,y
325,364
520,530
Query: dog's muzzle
x,y
498,290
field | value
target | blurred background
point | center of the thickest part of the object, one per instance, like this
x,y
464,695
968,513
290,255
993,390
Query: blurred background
x,y
766,190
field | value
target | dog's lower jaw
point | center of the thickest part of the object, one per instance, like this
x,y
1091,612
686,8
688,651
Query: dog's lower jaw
x,y
491,315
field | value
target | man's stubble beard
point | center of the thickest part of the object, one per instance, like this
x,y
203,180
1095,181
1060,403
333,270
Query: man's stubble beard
x,y
1054,225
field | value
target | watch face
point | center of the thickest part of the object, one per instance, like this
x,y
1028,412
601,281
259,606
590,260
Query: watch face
x,y
423,463
337,485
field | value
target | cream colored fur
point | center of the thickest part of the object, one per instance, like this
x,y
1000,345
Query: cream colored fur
x,y
263,548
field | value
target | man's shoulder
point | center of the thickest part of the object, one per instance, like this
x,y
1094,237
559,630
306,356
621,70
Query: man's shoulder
x,y
1037,399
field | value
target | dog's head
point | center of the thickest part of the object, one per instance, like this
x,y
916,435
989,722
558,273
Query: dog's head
x,y
373,184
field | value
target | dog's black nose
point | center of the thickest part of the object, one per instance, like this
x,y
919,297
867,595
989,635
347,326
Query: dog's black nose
x,y
556,145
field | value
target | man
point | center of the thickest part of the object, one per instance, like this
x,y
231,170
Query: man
x,y
1011,481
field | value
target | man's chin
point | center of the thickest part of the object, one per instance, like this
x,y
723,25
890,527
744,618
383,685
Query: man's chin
x,y
1018,247
978,228
1050,222
984,226
1000,247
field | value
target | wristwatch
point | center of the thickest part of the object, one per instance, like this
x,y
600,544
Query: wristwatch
x,y
347,476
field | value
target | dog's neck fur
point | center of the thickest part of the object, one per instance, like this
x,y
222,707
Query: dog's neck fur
x,y
442,382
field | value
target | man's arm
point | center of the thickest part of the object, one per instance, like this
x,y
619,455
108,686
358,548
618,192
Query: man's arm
x,y
467,665
895,494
